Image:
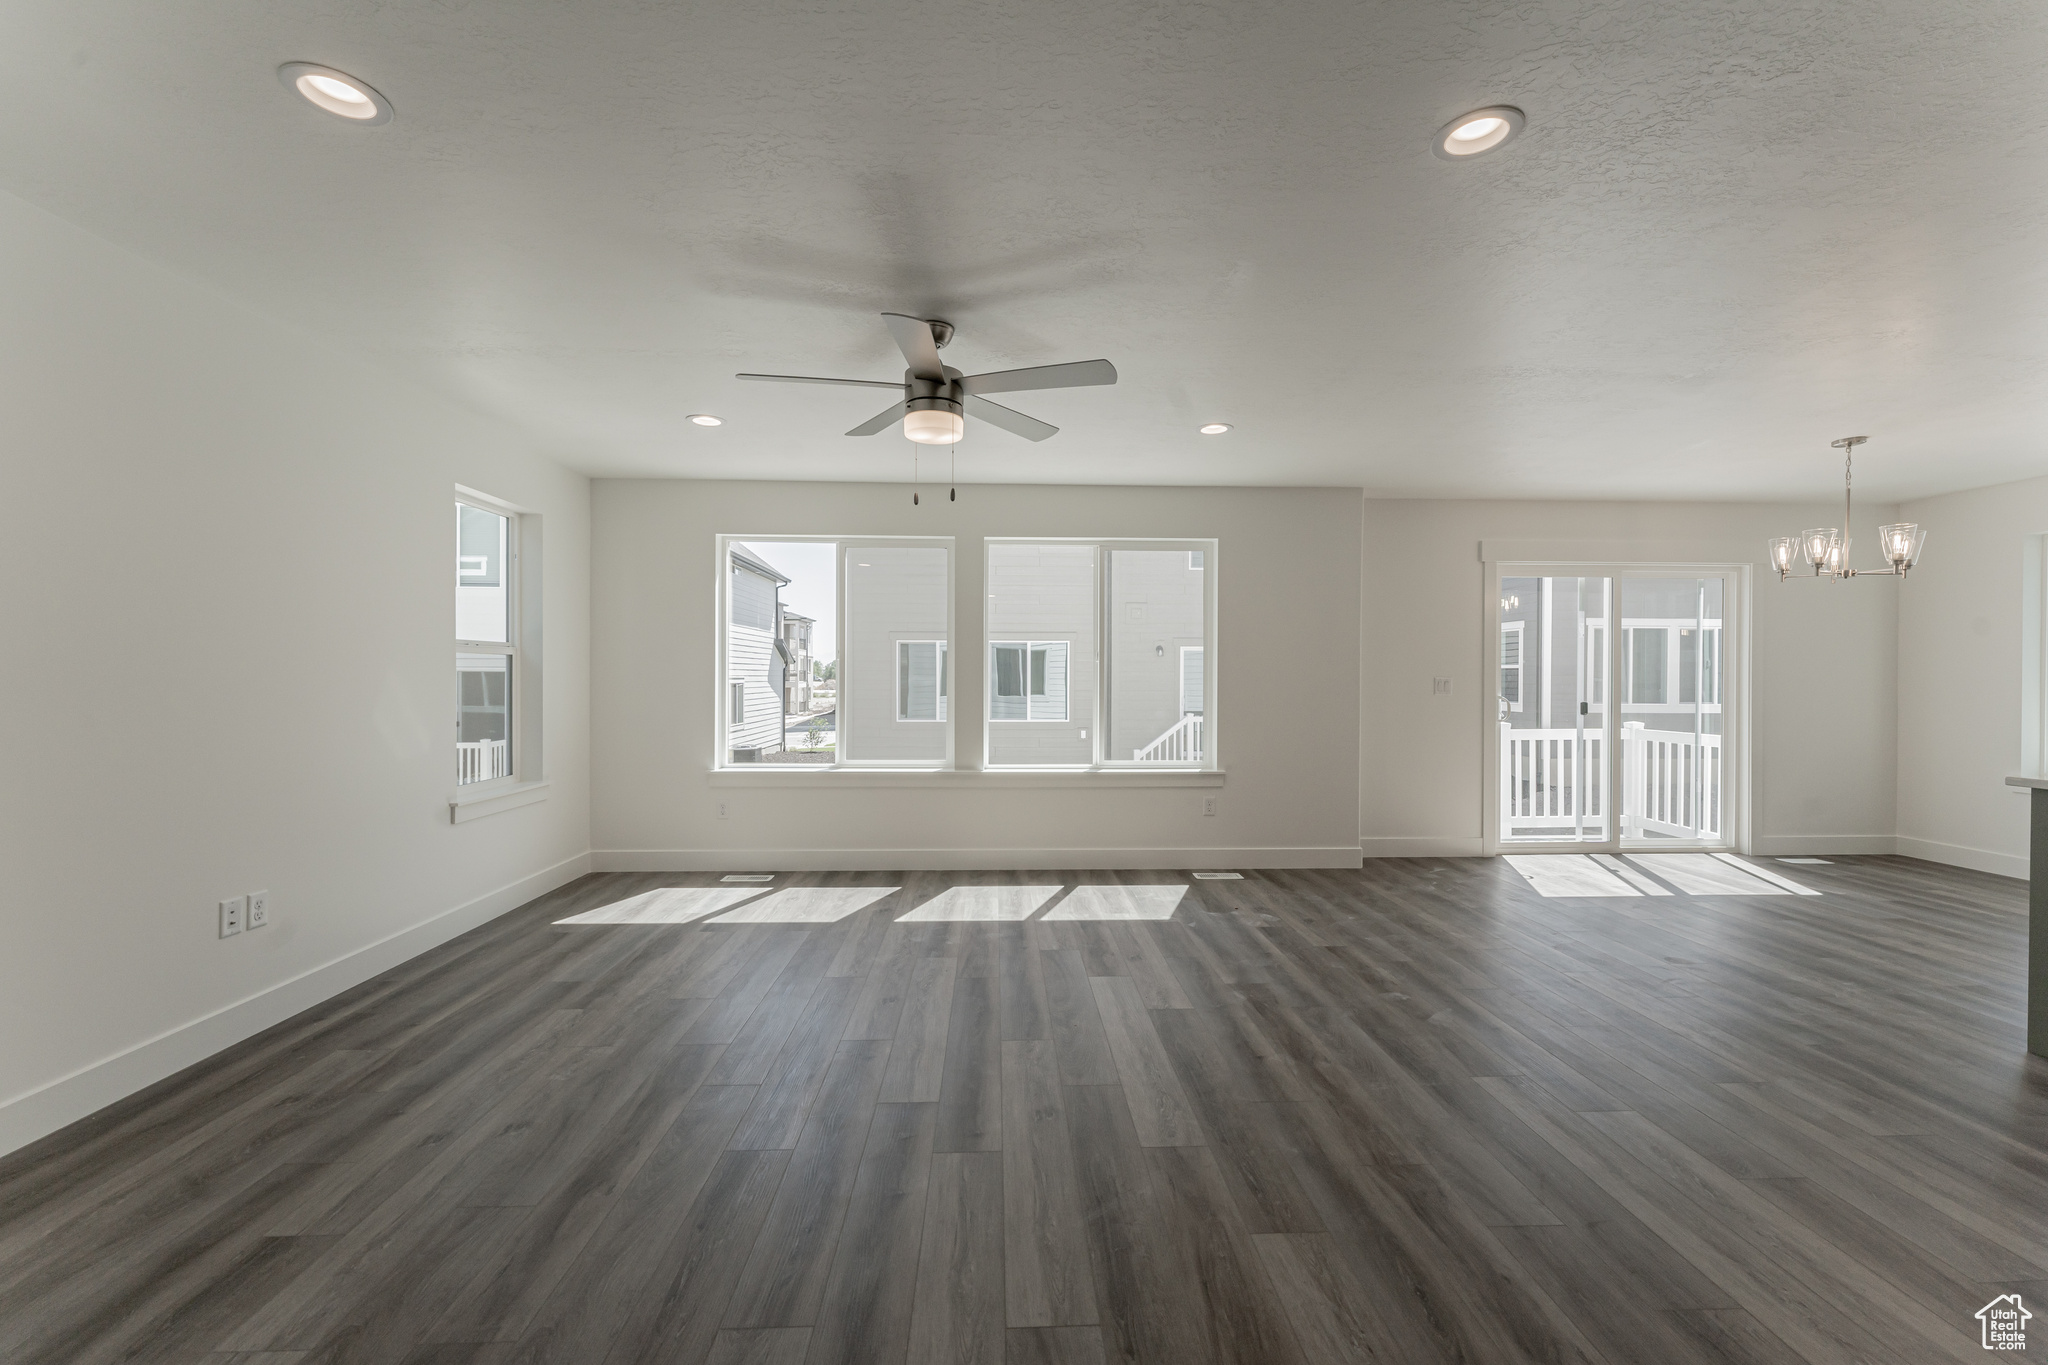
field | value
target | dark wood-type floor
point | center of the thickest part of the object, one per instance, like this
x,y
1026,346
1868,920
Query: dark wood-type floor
x,y
1409,1114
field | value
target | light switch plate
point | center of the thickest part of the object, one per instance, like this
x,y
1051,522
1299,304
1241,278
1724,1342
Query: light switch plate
x,y
259,909
231,913
1440,687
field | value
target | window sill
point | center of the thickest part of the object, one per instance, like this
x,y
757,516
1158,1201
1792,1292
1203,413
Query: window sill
x,y
462,809
959,779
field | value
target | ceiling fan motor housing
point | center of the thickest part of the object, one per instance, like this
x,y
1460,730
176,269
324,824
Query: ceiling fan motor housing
x,y
932,395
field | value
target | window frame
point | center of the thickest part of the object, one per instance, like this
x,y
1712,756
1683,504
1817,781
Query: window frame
x,y
1519,630
520,647
1098,728
1032,648
943,700
844,705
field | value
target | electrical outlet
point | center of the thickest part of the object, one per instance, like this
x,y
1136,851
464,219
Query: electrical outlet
x,y
231,913
259,909
721,810
1208,805
1440,687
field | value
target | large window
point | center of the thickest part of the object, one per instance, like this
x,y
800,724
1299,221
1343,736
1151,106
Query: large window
x,y
836,651
487,642
1098,654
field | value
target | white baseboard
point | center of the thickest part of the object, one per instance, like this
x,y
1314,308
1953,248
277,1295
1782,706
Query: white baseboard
x,y
39,1112
1423,848
960,859
1959,855
1817,845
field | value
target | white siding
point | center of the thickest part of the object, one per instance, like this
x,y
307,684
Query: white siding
x,y
1156,610
747,652
893,593
1044,594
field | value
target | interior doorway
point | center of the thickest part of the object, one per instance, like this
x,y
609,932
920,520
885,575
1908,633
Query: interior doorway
x,y
1618,697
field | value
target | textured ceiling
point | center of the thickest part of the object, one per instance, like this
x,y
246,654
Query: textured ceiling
x,y
1731,232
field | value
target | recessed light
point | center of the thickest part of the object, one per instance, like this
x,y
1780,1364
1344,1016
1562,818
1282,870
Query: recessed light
x,y
337,92
705,419
1215,428
1482,130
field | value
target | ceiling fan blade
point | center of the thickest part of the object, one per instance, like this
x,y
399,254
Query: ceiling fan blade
x,y
1009,419
893,413
810,379
1072,375
914,339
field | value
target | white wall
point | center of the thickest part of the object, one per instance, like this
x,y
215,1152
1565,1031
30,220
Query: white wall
x,y
1823,707
1288,610
225,591
1960,632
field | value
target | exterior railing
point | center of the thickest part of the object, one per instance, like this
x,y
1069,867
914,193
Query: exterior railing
x,y
482,760
1181,744
1546,775
1672,783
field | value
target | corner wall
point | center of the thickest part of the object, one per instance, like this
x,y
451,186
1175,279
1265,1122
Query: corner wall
x,y
1823,716
225,591
1960,636
1286,649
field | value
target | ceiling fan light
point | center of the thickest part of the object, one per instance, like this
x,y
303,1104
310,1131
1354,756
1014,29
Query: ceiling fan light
x,y
934,427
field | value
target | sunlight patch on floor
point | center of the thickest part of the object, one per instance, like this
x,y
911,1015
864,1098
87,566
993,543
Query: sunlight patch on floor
x,y
1119,902
807,905
1702,874
981,905
1578,876
669,905
1568,875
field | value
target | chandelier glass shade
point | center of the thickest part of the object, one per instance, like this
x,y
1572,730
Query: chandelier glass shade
x,y
1826,548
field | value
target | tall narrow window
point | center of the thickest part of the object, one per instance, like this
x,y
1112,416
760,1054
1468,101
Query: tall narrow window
x,y
486,644
1511,663
1042,654
920,680
1158,607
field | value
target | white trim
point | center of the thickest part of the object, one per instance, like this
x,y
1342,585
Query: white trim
x,y
951,859
1422,847
1958,855
964,779
463,809
42,1111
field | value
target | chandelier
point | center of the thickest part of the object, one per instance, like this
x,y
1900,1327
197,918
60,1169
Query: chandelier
x,y
1826,548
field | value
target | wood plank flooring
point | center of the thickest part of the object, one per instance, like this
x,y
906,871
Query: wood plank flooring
x,y
1416,1113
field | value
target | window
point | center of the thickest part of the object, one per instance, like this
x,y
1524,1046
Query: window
x,y
1030,678
920,680
492,722
1097,653
1511,663
836,651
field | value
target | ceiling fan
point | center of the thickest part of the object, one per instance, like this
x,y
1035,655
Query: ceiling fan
x,y
938,399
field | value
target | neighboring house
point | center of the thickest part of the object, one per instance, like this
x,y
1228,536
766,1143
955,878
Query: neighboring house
x,y
757,657
796,646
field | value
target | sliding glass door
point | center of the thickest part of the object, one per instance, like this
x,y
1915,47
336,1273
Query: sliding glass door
x,y
1613,710
1555,786
1674,772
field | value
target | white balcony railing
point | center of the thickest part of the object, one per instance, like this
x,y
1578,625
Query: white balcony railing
x,y
481,761
1181,744
1671,782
